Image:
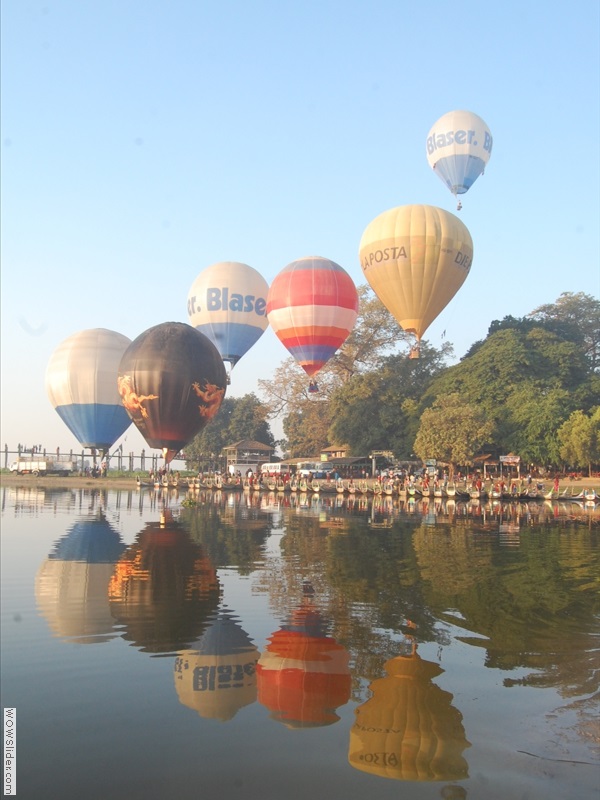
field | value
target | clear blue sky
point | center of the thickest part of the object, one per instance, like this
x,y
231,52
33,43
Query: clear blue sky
x,y
144,141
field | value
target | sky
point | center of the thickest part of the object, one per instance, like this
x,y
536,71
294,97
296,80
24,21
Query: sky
x,y
142,142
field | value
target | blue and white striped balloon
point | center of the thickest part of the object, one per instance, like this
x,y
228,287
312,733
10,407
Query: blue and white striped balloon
x,y
459,147
227,303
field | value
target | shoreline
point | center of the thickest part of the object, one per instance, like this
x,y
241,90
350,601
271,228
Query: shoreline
x,y
123,482
68,482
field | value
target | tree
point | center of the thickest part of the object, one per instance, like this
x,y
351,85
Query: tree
x,y
536,416
579,439
375,335
452,431
238,418
306,416
306,429
574,316
527,381
389,398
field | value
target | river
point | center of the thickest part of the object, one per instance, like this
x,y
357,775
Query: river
x,y
163,644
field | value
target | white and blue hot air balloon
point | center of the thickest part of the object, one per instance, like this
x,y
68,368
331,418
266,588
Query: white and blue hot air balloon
x,y
459,147
227,303
81,382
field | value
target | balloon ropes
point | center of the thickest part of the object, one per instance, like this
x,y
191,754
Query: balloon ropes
x,y
459,147
81,382
227,303
312,307
415,259
172,382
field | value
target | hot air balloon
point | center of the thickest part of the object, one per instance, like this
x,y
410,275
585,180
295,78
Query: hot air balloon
x,y
415,259
458,148
312,307
172,381
227,303
81,382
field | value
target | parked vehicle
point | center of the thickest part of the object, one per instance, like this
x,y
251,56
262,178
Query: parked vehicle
x,y
42,466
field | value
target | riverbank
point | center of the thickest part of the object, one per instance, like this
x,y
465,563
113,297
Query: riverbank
x,y
129,482
68,482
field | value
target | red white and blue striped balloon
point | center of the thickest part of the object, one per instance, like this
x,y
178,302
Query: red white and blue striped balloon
x,y
312,307
81,382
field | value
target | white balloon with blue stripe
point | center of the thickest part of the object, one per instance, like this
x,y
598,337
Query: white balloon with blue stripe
x,y
81,382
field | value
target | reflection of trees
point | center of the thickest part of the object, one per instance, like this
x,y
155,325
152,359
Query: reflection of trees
x,y
366,585
163,589
234,530
535,604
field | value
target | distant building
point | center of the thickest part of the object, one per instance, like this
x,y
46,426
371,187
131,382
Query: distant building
x,y
334,451
247,454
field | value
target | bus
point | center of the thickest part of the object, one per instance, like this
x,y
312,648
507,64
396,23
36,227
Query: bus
x,y
277,468
319,469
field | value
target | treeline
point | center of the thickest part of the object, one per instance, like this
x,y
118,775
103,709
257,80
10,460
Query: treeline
x,y
531,387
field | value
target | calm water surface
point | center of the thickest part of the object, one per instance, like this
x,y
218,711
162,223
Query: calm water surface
x,y
266,647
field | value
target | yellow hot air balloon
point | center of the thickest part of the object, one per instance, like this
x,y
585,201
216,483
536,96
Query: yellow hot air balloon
x,y
415,259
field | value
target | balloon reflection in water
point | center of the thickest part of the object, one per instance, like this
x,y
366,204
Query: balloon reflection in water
x,y
408,729
163,588
304,675
71,586
217,676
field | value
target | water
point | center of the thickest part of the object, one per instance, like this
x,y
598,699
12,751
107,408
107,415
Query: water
x,y
266,647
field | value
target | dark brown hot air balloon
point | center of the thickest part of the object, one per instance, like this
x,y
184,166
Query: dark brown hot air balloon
x,y
172,382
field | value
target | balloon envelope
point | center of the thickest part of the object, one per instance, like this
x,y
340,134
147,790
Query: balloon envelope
x,y
415,259
459,146
81,382
312,307
172,382
227,303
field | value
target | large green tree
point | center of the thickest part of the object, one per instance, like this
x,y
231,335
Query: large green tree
x,y
238,418
380,409
579,440
574,316
452,431
527,380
